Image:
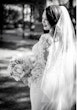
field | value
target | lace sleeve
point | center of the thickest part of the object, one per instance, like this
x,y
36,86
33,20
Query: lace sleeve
x,y
46,41
41,53
41,46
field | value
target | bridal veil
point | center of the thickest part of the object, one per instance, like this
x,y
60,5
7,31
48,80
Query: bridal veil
x,y
59,79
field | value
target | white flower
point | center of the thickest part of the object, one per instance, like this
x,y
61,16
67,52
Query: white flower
x,y
20,67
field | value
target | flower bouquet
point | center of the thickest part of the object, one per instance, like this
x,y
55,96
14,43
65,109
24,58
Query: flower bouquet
x,y
20,68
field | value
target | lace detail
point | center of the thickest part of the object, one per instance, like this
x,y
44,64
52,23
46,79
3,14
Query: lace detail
x,y
40,51
42,46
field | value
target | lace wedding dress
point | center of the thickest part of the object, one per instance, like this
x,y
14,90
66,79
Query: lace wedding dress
x,y
40,51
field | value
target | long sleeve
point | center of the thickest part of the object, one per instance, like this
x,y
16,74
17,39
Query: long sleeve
x,y
40,51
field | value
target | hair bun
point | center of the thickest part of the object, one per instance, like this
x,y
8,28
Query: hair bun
x,y
53,14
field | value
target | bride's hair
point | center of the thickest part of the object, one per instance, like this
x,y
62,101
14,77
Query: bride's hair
x,y
53,14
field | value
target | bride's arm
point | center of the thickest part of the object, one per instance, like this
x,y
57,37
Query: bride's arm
x,y
41,52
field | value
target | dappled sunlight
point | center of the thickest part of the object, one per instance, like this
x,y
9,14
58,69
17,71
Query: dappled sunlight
x,y
13,95
23,99
8,84
20,95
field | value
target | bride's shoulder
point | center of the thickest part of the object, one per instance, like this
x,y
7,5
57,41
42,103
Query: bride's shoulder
x,y
46,38
45,35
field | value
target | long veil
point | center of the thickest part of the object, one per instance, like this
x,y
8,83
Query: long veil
x,y
58,82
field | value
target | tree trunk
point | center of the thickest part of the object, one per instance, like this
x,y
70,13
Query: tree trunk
x,y
23,27
1,18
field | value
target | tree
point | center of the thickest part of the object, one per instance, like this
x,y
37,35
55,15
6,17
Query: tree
x,y
1,18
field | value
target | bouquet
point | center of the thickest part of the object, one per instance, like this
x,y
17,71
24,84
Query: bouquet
x,y
20,68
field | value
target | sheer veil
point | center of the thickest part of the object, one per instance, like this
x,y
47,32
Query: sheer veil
x,y
58,82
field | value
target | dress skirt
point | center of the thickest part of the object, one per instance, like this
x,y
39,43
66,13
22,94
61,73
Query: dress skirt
x,y
36,97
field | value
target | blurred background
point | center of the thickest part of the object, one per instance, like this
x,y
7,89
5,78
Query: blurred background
x,y
20,29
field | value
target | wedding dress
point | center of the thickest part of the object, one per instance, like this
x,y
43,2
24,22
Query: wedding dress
x,y
40,51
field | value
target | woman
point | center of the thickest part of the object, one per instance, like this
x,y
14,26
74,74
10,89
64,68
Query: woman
x,y
52,84
55,89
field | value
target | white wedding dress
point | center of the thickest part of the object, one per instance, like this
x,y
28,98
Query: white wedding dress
x,y
40,51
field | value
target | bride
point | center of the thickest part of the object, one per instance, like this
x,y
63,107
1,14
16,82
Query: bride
x,y
52,80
